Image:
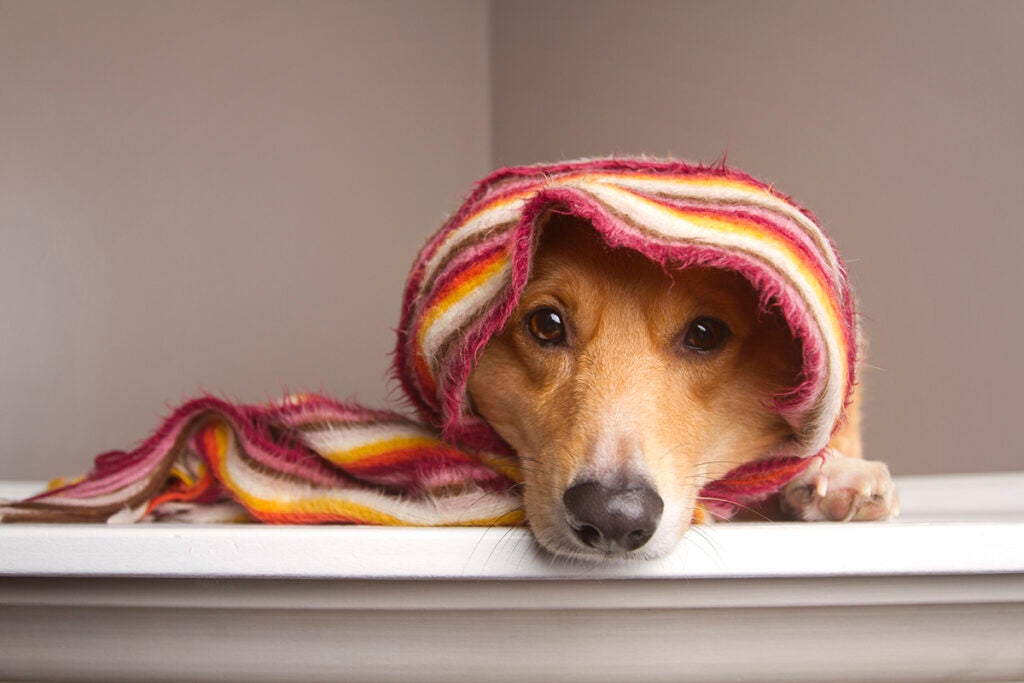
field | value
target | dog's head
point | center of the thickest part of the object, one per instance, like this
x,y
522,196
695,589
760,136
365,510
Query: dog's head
x,y
624,388
633,329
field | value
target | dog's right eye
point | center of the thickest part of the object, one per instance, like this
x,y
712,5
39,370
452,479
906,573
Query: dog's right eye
x,y
546,326
705,334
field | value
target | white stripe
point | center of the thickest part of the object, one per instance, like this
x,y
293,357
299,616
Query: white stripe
x,y
349,437
463,309
681,188
654,217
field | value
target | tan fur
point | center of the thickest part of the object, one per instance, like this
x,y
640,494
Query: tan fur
x,y
623,398
847,439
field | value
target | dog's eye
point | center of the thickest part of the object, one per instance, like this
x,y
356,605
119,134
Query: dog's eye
x,y
546,326
705,334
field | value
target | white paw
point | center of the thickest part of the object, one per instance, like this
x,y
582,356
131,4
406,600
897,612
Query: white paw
x,y
841,489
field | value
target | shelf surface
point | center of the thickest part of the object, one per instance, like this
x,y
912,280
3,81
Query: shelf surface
x,y
964,524
936,595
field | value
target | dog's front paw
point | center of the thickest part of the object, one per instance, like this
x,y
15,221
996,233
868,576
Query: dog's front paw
x,y
841,489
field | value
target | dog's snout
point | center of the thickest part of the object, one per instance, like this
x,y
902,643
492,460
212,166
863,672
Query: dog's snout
x,y
613,519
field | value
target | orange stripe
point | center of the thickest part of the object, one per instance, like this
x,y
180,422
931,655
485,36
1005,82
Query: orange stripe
x,y
424,375
183,494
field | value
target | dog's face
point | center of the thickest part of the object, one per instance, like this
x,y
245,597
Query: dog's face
x,y
625,388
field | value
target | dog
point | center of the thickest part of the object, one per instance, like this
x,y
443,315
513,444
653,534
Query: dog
x,y
625,387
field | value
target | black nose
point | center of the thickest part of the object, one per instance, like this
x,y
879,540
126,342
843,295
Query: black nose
x,y
613,518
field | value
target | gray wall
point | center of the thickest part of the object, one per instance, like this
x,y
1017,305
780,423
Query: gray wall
x,y
898,123
220,196
227,196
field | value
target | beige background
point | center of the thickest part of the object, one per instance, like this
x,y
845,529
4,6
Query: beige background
x,y
226,196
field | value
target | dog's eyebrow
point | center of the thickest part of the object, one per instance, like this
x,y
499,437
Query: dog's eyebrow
x,y
556,285
711,299
715,299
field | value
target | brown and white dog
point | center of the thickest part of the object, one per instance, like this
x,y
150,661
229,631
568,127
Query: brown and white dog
x,y
625,388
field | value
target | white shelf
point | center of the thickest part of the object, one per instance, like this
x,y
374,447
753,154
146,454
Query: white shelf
x,y
935,595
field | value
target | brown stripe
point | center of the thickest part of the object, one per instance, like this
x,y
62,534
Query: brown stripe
x,y
21,513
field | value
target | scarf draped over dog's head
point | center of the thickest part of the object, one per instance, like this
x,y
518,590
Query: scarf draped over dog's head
x,y
312,460
467,279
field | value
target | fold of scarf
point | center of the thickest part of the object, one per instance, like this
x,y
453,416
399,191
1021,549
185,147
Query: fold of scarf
x,y
313,460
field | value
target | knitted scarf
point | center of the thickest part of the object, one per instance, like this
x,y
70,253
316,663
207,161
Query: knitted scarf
x,y
310,459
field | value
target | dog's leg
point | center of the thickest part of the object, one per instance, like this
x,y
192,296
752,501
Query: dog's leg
x,y
843,487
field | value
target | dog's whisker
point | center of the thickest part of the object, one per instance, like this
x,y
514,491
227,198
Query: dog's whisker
x,y
503,541
730,463
740,506
483,535
670,451
709,546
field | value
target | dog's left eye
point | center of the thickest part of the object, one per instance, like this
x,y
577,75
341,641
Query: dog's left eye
x,y
546,326
705,334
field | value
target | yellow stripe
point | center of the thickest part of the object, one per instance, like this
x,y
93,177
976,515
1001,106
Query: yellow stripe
x,y
325,506
352,455
61,482
221,434
504,465
184,475
320,506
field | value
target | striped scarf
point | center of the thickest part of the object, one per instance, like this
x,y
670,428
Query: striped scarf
x,y
310,459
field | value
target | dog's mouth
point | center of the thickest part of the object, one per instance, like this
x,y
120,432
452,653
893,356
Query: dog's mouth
x,y
565,547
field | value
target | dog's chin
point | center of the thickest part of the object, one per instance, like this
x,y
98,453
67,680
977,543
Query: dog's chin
x,y
593,557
